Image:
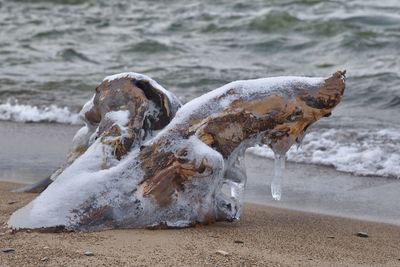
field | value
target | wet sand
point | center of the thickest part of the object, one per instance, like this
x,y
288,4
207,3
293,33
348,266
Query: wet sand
x,y
265,236
29,152
324,190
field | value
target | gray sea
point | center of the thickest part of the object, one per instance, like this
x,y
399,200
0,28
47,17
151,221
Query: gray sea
x,y
54,53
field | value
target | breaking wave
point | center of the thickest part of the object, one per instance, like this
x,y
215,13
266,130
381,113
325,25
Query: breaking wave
x,y
368,152
13,111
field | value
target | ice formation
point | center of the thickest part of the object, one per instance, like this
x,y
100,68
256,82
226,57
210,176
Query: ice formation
x,y
177,176
276,184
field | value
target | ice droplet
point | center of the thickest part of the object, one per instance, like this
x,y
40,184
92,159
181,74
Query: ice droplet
x,y
279,168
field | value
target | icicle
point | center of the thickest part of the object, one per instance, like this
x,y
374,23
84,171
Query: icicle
x,y
279,168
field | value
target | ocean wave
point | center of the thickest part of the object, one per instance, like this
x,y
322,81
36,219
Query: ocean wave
x,y
274,21
62,2
150,47
13,111
71,55
368,152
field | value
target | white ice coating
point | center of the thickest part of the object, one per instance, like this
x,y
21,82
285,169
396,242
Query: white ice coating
x,y
73,186
120,117
358,151
88,106
117,187
83,136
13,111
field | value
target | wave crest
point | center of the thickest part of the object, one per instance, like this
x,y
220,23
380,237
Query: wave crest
x,y
13,111
368,152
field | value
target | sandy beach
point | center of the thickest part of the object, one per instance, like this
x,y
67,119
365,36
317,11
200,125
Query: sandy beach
x,y
265,236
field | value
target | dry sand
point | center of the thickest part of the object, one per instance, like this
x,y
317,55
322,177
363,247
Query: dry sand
x,y
264,237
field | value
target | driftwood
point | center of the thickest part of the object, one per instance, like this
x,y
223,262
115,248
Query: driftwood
x,y
177,178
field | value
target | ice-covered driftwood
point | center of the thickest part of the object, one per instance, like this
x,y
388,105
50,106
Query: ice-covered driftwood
x,y
125,111
176,179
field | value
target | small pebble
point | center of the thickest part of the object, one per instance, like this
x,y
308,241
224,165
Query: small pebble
x,y
44,259
222,252
46,247
6,250
331,237
12,202
89,253
238,241
362,234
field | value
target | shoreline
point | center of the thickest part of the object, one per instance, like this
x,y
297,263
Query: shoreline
x,y
264,236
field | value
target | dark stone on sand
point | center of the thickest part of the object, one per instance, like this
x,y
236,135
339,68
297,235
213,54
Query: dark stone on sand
x,y
238,242
7,250
362,234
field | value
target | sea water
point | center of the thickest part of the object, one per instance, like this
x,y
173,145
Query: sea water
x,y
54,53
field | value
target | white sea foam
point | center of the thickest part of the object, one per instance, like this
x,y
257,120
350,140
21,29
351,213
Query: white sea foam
x,y
13,111
358,151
